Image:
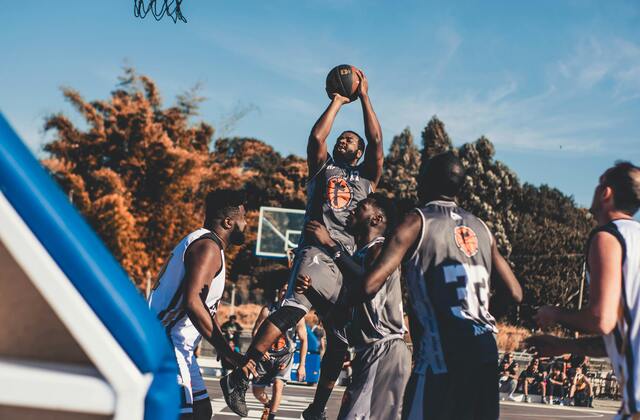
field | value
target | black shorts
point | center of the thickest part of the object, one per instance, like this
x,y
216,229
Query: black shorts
x,y
467,391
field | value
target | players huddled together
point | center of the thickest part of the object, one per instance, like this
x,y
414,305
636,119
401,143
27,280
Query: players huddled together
x,y
348,266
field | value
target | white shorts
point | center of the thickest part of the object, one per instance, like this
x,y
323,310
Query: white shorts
x,y
189,377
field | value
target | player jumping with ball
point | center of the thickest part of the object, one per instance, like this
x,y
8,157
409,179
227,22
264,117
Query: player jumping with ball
x,y
336,184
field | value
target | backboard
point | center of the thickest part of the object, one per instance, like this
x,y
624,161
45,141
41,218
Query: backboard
x,y
279,231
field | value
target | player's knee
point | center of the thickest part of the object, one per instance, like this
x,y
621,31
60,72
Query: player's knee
x,y
286,317
258,392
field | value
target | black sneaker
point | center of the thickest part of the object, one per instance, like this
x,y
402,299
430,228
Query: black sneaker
x,y
234,388
312,414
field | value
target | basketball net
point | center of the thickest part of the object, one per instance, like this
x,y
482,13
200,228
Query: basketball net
x,y
169,8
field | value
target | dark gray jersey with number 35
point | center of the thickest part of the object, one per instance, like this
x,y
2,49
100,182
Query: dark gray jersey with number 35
x,y
448,280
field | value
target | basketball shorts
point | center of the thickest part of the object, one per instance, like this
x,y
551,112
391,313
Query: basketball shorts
x,y
277,367
380,375
467,391
326,281
189,377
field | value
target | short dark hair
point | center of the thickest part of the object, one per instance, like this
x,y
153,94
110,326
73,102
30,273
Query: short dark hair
x,y
222,203
361,143
442,175
386,205
624,180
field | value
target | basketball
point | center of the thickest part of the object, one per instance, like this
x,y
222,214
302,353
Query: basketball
x,y
344,81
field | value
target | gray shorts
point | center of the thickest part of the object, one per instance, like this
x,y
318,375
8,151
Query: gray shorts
x,y
326,281
270,370
380,374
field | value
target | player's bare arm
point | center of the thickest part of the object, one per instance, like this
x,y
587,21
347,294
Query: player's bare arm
x,y
317,145
550,345
600,315
202,261
403,240
503,271
301,331
374,153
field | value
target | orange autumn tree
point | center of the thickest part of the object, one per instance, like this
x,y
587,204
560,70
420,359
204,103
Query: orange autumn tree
x,y
137,172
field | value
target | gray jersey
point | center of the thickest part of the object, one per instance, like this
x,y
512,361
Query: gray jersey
x,y
380,317
332,193
448,280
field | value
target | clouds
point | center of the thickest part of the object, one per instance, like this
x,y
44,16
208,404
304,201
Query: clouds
x,y
609,60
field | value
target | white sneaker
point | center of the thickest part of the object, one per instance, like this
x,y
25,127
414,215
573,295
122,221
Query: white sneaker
x,y
526,399
512,398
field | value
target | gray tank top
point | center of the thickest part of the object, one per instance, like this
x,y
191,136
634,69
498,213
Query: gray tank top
x,y
332,193
381,317
448,280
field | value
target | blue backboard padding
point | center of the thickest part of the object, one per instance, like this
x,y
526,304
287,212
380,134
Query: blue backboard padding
x,y
91,269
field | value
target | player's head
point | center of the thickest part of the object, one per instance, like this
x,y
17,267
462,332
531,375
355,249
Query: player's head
x,y
441,177
376,212
225,208
349,147
618,190
232,318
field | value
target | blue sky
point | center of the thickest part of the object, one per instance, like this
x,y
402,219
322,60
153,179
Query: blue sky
x,y
554,84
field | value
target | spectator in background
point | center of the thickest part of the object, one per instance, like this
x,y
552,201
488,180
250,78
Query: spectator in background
x,y
557,383
231,330
318,331
581,392
533,379
508,376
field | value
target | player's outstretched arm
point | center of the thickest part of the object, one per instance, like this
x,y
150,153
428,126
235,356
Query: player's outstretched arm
x,y
374,153
505,274
601,314
301,331
403,240
202,262
317,144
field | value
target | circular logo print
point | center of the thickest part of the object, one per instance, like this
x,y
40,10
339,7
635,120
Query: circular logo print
x,y
466,240
338,193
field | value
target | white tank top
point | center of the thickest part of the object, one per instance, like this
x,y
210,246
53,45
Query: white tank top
x,y
167,298
623,343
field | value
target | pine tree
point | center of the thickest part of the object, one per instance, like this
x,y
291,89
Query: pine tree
x,y
401,166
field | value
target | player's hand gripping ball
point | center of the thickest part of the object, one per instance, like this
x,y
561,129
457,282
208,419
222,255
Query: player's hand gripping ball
x,y
343,80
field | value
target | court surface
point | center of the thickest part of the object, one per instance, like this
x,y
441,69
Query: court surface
x,y
297,397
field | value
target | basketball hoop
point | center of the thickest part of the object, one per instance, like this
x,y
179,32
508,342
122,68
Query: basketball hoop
x,y
169,8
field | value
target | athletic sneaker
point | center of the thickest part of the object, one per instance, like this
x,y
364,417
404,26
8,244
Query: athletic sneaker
x,y
526,399
511,398
312,414
234,388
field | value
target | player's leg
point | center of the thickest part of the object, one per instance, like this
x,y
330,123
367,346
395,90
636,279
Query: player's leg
x,y
260,392
487,401
311,262
283,365
330,367
184,381
201,403
278,390
391,375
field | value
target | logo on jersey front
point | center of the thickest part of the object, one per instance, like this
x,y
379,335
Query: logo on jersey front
x,y
466,240
339,193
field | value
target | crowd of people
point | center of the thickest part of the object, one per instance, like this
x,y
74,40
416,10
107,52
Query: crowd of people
x,y
560,380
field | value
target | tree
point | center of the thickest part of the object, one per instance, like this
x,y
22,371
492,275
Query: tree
x,y
136,173
401,166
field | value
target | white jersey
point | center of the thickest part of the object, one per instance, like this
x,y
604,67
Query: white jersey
x,y
623,343
167,299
